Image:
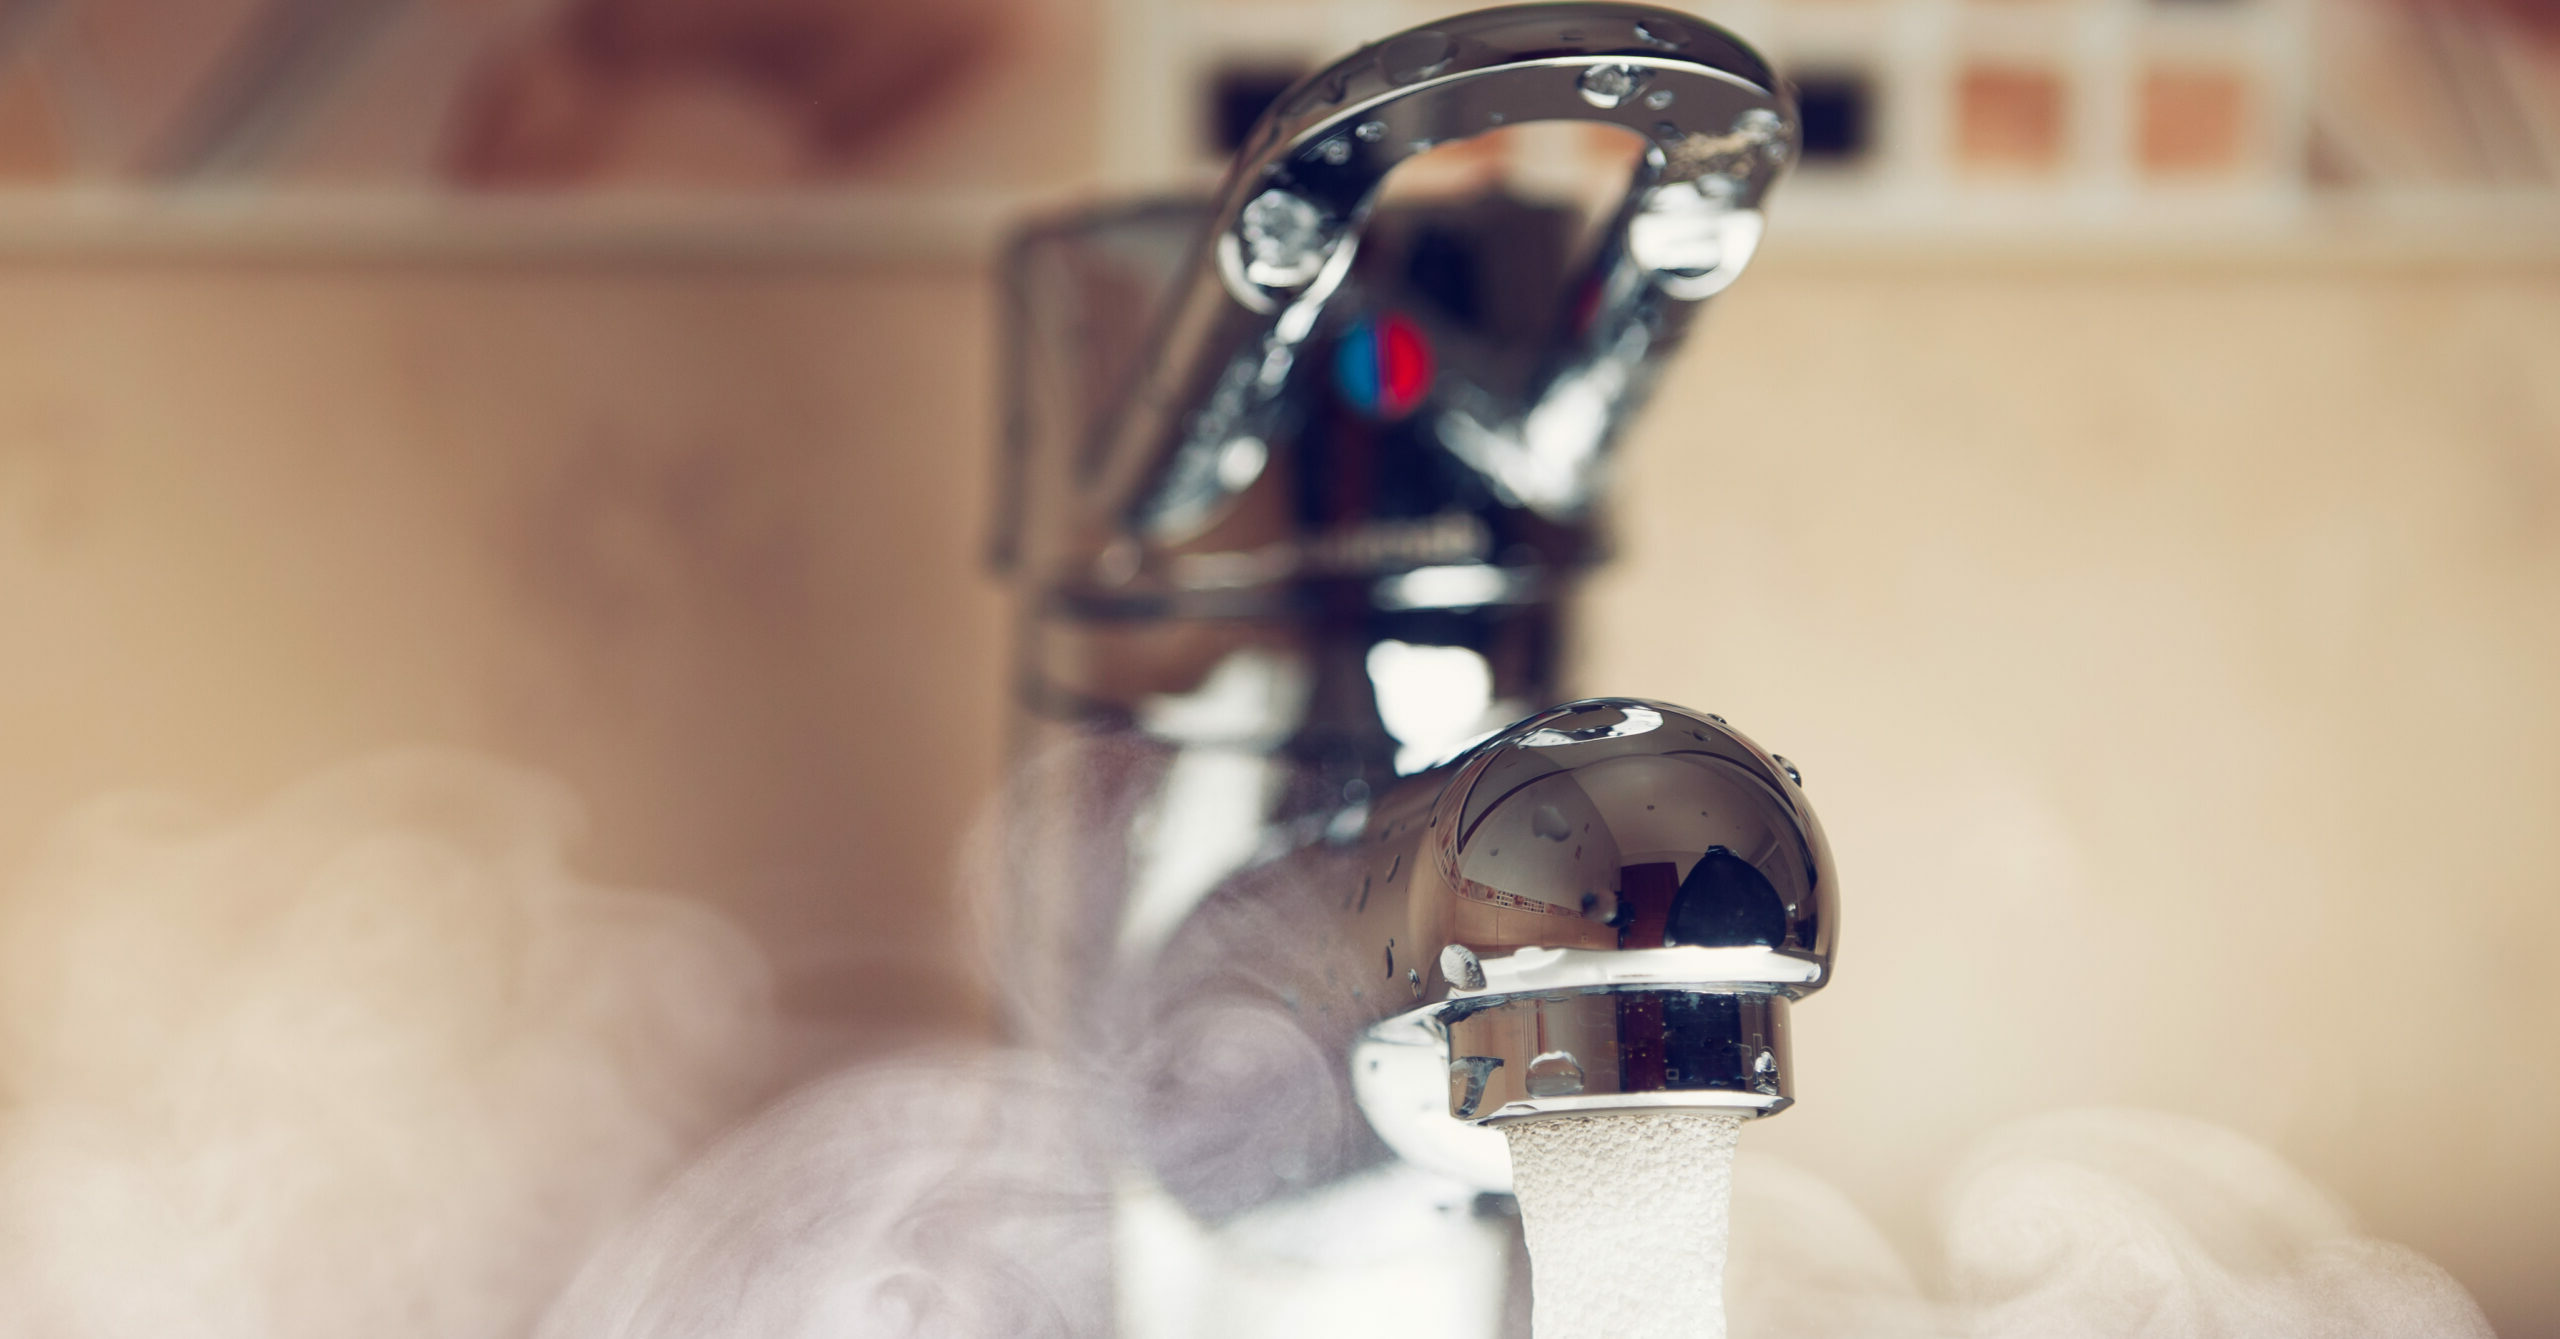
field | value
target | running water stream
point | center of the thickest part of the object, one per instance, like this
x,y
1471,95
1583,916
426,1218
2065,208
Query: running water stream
x,y
1626,1221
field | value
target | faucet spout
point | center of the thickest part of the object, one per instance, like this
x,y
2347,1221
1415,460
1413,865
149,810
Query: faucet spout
x,y
1609,907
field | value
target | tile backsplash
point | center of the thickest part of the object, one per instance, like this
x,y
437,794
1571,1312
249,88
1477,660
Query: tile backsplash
x,y
2005,116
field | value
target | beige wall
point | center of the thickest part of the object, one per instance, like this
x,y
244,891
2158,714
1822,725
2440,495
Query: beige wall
x,y
2170,647
704,542
2174,653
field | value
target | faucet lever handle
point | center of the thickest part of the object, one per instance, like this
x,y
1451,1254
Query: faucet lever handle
x,y
1718,128
1715,119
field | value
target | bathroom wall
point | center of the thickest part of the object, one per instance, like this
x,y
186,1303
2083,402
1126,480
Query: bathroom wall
x,y
2169,642
700,539
2170,647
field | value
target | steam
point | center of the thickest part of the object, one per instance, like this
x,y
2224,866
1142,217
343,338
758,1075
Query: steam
x,y
2089,1225
372,1061
1044,873
952,1196
369,1061
961,1198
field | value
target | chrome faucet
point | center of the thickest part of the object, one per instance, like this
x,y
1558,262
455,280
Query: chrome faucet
x,y
1299,482
1297,478
1220,385
1605,908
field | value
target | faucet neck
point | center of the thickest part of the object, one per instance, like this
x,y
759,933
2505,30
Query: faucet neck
x,y
1330,680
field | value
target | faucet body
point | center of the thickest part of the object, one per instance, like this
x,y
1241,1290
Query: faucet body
x,y
1298,487
1222,380
1300,484
1198,486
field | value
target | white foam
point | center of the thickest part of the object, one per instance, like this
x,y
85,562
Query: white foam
x,y
1626,1217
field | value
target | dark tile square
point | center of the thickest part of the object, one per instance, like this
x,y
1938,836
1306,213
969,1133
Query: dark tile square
x,y
1836,110
1236,97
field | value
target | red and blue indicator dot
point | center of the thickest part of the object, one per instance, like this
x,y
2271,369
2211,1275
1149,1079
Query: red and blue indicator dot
x,y
1383,366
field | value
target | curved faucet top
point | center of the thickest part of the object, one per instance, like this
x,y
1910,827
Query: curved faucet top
x,y
1708,103
1195,432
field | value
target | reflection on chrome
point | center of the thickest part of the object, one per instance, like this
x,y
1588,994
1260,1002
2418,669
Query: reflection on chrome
x,y
1628,719
1454,586
1262,602
1610,906
1432,699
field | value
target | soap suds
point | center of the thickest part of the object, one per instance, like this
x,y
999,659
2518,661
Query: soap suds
x,y
1626,1221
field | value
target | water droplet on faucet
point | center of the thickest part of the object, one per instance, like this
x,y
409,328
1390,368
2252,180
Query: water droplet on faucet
x,y
1658,99
1662,33
1370,132
1555,1074
1790,768
1416,55
1322,93
1464,970
1610,85
1284,236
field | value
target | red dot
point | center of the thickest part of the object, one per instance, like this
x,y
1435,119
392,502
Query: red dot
x,y
1405,371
